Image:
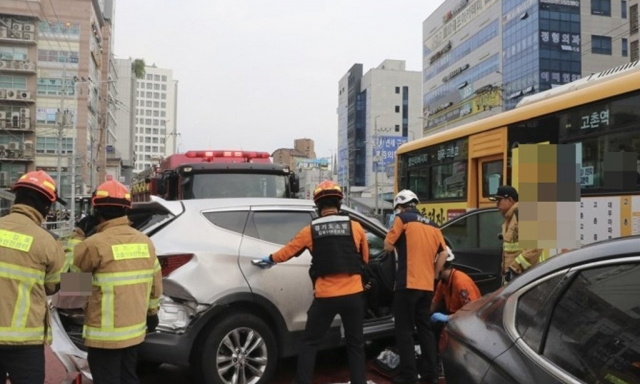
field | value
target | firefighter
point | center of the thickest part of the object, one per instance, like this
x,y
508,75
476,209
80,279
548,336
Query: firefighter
x,y
515,260
127,284
339,251
419,244
83,229
30,264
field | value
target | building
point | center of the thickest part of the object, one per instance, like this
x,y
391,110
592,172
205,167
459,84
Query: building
x,y
59,52
125,118
302,149
482,57
377,112
156,114
310,173
634,36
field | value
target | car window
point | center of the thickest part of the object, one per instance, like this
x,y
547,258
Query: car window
x,y
231,220
462,232
533,306
376,243
490,227
277,227
595,329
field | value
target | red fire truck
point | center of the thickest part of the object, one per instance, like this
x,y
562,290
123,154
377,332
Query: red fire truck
x,y
213,174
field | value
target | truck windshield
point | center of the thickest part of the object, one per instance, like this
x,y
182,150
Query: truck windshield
x,y
214,185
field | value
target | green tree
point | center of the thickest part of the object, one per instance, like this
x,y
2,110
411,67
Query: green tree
x,y
138,68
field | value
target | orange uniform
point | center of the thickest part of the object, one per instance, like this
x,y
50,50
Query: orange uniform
x,y
417,242
459,290
331,285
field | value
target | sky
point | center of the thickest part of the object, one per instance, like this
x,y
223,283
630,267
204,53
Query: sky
x,y
255,75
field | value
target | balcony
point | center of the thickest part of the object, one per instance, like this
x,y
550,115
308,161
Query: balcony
x,y
18,34
16,95
18,66
19,153
16,122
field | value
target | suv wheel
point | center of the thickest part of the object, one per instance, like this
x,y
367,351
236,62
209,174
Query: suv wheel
x,y
239,349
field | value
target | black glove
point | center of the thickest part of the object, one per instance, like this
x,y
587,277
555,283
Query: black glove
x,y
87,224
152,323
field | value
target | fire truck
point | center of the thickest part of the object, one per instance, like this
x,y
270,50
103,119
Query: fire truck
x,y
215,174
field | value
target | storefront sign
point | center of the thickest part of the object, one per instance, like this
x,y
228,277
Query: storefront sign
x,y
384,151
455,73
595,120
441,52
449,15
569,3
586,176
567,41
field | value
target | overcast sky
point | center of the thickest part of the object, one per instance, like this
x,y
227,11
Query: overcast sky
x,y
255,75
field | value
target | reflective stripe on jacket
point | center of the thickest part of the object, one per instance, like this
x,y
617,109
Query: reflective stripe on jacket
x,y
76,238
127,284
513,257
30,264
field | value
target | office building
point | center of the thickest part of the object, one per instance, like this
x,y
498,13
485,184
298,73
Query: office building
x,y
377,112
481,57
125,117
156,113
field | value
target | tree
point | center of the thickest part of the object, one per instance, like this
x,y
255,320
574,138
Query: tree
x,y
138,68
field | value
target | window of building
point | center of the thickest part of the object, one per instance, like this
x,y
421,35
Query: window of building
x,y
164,87
633,19
156,77
57,56
155,95
623,9
13,82
149,103
397,128
155,139
398,90
598,345
635,52
164,78
155,131
156,87
164,96
601,7
54,86
147,122
163,114
625,47
397,109
49,144
149,95
155,121
148,112
149,76
156,104
163,104
156,113
601,45
149,85
13,53
58,28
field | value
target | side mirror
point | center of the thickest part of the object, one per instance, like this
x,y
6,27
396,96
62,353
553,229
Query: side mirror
x,y
161,189
294,183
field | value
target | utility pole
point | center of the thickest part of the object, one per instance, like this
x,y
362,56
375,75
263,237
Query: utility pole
x,y
375,161
61,120
73,155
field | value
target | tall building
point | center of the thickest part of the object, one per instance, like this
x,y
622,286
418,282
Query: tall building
x,y
482,57
58,51
377,112
125,117
634,36
156,114
302,149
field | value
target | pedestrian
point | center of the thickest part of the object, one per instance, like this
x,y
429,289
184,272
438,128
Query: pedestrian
x,y
127,284
419,244
339,252
30,264
515,260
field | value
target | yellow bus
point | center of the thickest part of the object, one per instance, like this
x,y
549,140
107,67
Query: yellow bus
x,y
455,171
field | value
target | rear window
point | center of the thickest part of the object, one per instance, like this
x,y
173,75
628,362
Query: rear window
x,y
231,220
149,221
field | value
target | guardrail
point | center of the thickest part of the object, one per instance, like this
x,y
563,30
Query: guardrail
x,y
63,229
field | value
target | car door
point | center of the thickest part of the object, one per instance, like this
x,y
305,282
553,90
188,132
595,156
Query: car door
x,y
473,238
286,285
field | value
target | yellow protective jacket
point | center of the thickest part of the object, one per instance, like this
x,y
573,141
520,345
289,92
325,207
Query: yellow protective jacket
x,y
513,257
76,238
30,264
126,284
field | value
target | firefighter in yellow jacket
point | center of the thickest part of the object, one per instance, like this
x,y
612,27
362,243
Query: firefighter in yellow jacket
x,y
30,264
127,284
515,260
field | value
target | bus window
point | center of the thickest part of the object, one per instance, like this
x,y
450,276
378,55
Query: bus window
x,y
448,180
418,182
491,177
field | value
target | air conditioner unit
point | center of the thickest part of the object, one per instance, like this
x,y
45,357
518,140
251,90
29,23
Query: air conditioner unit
x,y
28,145
16,27
17,64
15,119
16,34
29,66
3,93
4,64
3,147
24,95
25,113
29,28
7,21
3,115
14,145
4,33
28,35
12,94
4,179
25,124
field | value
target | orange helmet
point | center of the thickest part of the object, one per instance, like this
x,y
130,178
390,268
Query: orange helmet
x,y
111,193
39,181
327,188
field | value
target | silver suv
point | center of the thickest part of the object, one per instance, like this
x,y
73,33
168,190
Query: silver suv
x,y
227,318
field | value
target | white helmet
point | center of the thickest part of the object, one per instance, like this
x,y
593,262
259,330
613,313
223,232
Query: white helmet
x,y
405,197
450,256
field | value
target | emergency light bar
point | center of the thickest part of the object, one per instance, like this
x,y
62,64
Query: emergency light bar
x,y
243,154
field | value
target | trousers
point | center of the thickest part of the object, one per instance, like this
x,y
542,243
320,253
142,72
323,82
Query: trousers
x,y
114,366
24,364
319,318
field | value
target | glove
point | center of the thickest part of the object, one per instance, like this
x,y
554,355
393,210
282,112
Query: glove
x,y
87,224
152,322
439,317
267,260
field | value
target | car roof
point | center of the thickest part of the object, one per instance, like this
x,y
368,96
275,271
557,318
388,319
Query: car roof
x,y
199,204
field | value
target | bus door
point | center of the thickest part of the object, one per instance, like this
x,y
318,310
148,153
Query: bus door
x,y
490,177
487,154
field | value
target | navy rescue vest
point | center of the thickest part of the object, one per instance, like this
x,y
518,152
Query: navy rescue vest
x,y
334,250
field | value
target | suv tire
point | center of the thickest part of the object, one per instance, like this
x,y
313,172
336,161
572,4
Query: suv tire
x,y
238,348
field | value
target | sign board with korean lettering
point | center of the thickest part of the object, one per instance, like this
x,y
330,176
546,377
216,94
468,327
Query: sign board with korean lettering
x,y
586,176
384,151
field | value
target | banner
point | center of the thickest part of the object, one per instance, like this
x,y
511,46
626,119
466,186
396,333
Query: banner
x,y
384,151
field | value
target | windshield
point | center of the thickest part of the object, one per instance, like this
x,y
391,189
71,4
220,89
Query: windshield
x,y
202,186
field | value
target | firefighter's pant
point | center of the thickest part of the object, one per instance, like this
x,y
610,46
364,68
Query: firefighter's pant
x,y
114,366
24,364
